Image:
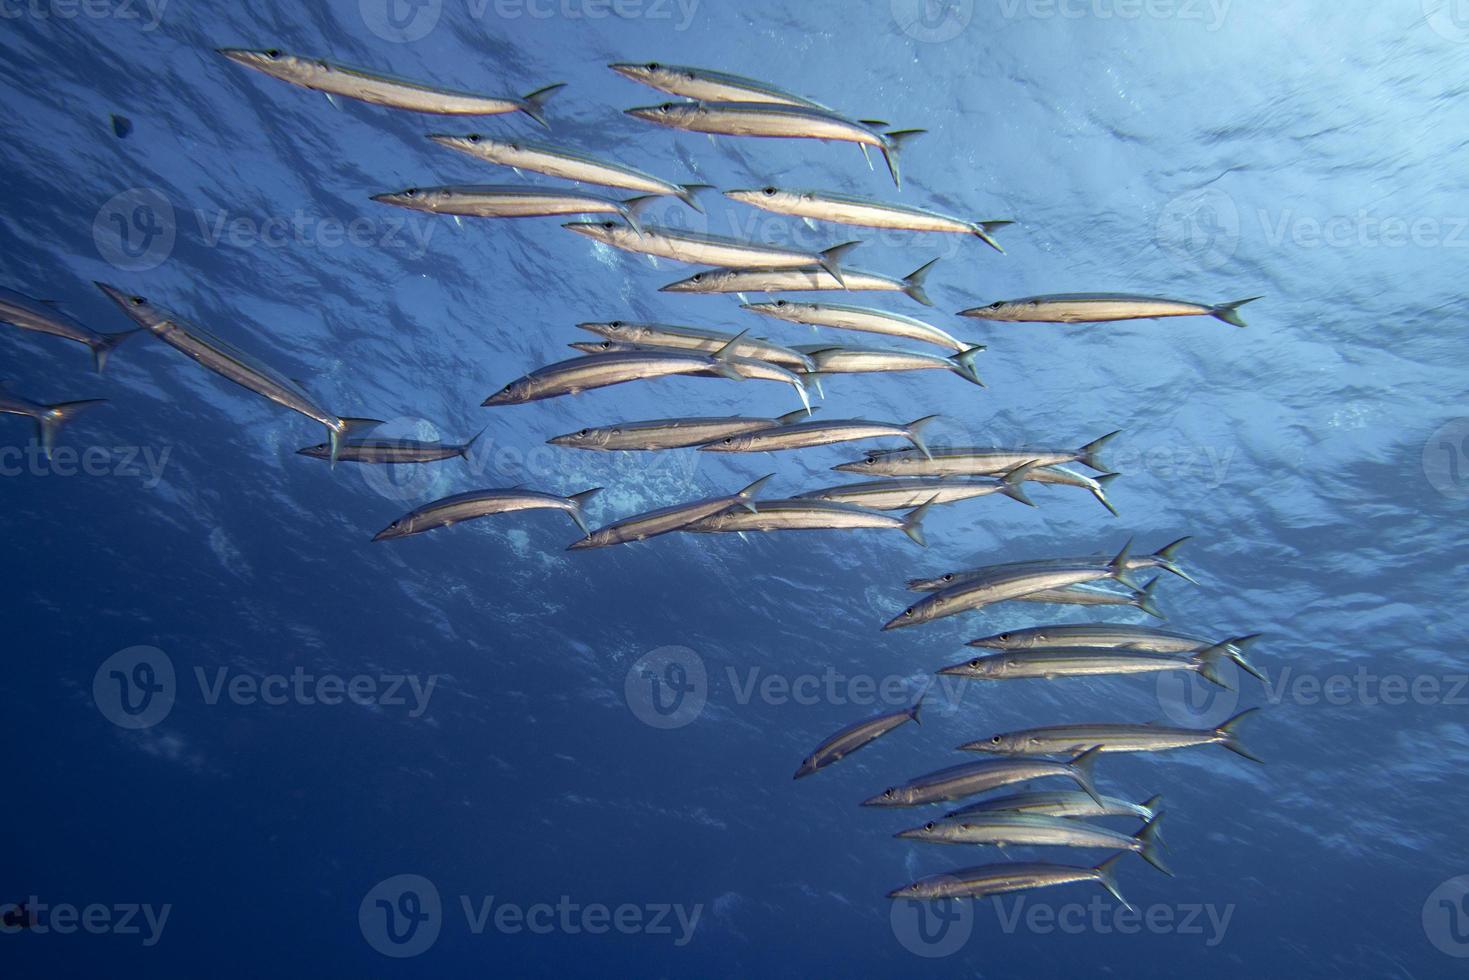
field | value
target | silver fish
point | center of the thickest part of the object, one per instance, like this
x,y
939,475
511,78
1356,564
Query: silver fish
x,y
1165,558
1054,662
1062,803
869,360
1114,738
957,461
904,493
698,248
812,515
510,201
40,316
482,503
640,527
779,121
601,370
1039,830
744,367
854,737
1101,308
385,90
706,85
856,318
806,434
1006,583
666,433
1001,879
698,338
801,280
568,164
48,418
846,209
971,778
1060,476
1148,638
233,364
389,451
1089,595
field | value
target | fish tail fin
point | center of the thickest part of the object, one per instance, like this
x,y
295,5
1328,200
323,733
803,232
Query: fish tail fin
x,y
915,434
49,423
964,364
892,144
1166,557
106,344
1083,767
913,283
1089,454
577,502
913,522
810,381
750,491
1229,312
350,427
790,418
722,356
1150,841
982,230
464,450
1100,491
532,103
1208,660
631,210
686,192
1229,736
1119,569
830,259
1151,804
1237,647
1147,600
1012,483
914,712
1107,878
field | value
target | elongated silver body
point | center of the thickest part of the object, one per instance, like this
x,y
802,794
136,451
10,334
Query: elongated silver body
x,y
31,314
904,493
699,248
1055,662
706,85
1091,595
1127,561
1062,803
657,434
1001,879
652,523
1095,635
388,451
384,90
863,212
563,162
970,778
1061,739
700,339
797,515
967,461
740,367
854,737
599,371
1100,308
800,280
232,364
859,318
1005,583
1022,830
482,503
502,201
809,433
870,360
48,418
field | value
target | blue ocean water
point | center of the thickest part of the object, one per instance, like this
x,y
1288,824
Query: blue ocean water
x,y
583,760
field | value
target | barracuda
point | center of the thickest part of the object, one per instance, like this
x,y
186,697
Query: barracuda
x,y
697,248
857,318
972,778
1102,308
854,737
802,280
39,316
482,503
864,212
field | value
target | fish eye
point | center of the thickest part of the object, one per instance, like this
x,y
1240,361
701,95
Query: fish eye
x,y
138,301
665,107
781,302
768,192
473,137
908,613
411,192
697,277
273,53
995,741
729,440
652,66
929,825
887,794
975,663
585,432
609,224
949,577
1004,636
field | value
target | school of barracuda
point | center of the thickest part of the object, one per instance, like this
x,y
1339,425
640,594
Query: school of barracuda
x,y
909,476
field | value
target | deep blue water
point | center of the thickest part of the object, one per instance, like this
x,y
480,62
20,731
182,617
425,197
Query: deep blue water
x,y
1309,153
